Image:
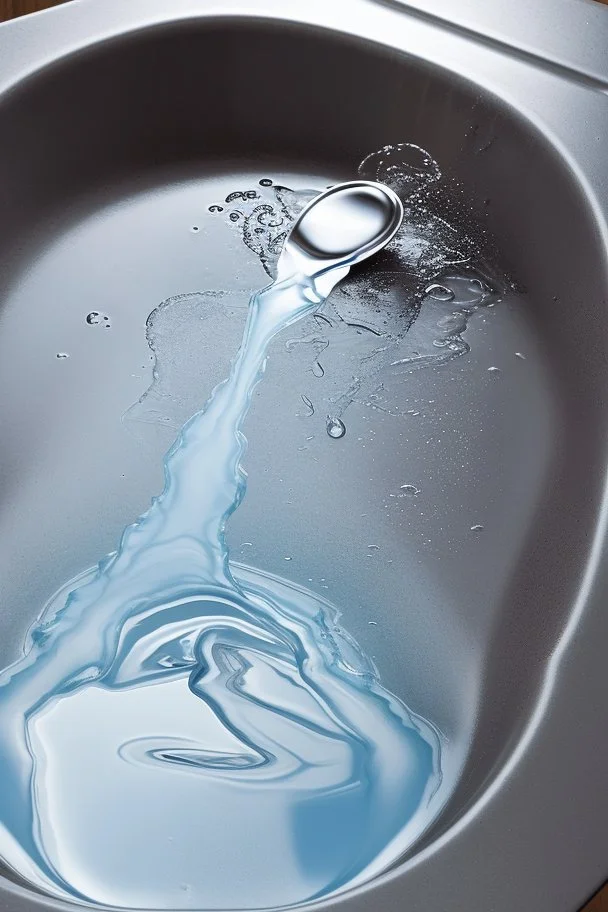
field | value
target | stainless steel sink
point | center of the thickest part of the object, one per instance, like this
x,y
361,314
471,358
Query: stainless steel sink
x,y
120,126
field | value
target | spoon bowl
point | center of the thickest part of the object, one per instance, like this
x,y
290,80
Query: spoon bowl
x,y
343,226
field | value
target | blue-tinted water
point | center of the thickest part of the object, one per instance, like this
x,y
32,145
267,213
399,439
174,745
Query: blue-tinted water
x,y
192,734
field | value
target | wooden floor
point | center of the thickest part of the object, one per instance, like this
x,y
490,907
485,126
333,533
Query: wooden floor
x,y
11,8
599,903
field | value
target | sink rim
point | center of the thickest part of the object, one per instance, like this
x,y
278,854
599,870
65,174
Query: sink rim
x,y
38,41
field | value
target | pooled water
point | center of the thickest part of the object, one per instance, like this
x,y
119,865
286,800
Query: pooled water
x,y
185,732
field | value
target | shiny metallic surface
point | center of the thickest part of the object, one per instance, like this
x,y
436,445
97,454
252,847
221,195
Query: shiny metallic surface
x,y
118,123
349,222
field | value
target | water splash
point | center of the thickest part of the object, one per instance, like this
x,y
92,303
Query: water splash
x,y
428,262
180,729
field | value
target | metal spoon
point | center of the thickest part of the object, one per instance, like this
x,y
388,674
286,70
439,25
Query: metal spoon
x,y
341,227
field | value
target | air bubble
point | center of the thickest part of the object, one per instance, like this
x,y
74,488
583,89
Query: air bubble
x,y
265,182
410,490
62,355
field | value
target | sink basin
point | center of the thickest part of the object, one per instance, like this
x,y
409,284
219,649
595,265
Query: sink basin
x,y
463,514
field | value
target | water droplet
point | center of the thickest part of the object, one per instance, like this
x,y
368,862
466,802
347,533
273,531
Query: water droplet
x,y
308,403
95,319
335,427
410,490
216,208
265,182
477,528
234,216
62,355
374,547
318,370
373,623
495,371
439,292
287,558
519,355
